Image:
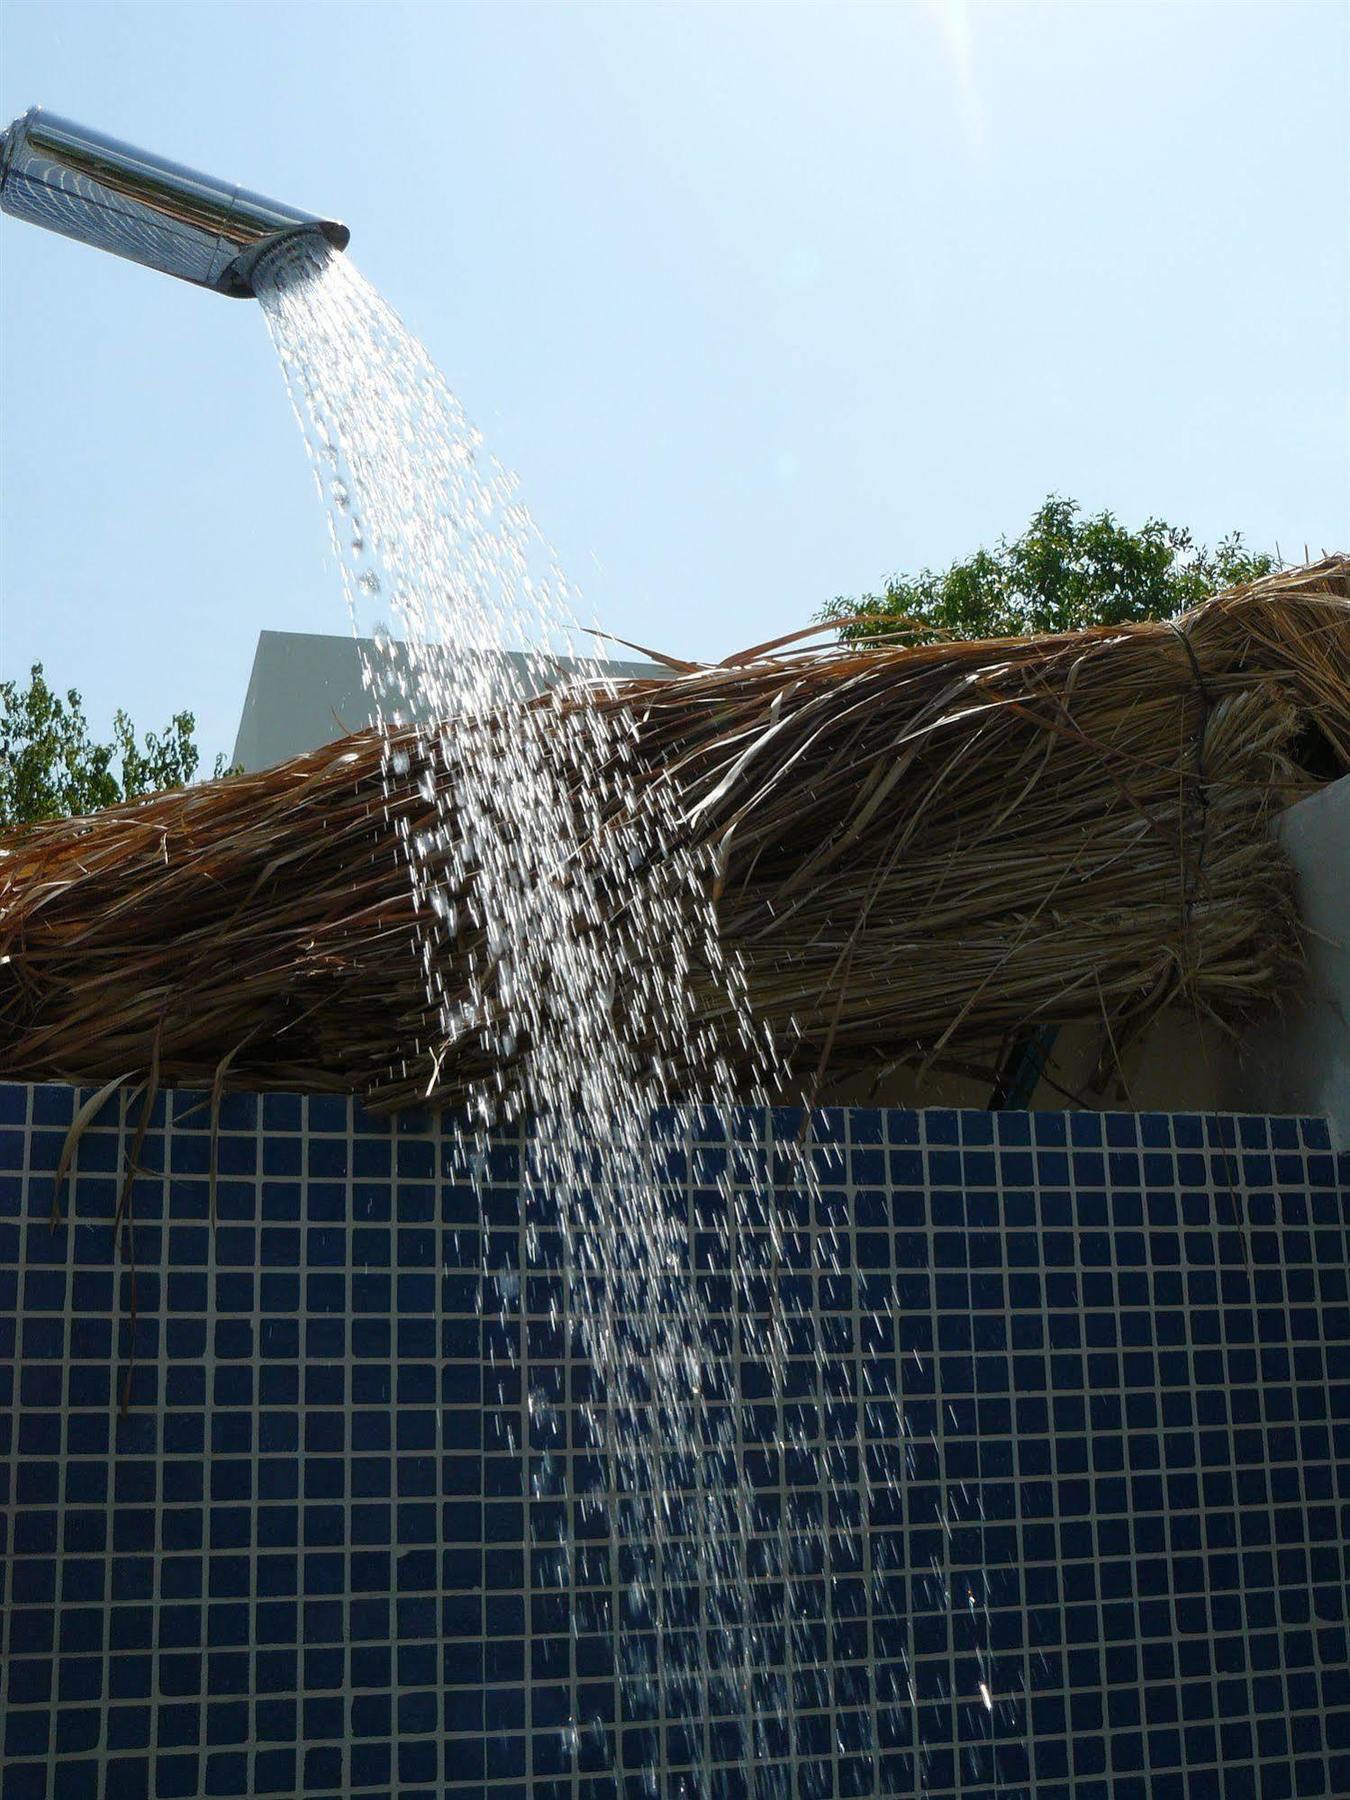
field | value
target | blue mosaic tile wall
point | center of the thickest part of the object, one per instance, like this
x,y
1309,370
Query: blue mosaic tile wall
x,y
304,1559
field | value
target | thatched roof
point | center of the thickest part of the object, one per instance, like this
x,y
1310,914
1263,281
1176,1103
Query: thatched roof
x,y
917,850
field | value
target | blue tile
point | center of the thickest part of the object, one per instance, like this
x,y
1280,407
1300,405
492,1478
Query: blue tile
x,y
14,1103
328,1113
281,1155
942,1127
281,1113
403,1496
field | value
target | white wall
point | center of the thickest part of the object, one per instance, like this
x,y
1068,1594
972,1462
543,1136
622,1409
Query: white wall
x,y
306,689
1300,1062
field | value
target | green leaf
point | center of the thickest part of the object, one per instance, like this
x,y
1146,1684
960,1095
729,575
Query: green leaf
x,y
1066,571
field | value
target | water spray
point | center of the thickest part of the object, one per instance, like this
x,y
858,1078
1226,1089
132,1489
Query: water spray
x,y
103,192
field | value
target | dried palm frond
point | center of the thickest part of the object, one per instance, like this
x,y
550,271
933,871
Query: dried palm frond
x,y
913,850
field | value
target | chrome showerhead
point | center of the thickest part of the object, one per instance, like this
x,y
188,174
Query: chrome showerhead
x,y
109,194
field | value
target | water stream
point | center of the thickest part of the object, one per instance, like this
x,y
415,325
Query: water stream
x,y
585,927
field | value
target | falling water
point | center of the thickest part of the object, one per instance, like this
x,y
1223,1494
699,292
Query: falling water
x,y
568,893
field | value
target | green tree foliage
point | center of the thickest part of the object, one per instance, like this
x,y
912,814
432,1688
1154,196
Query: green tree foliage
x,y
51,768
1066,571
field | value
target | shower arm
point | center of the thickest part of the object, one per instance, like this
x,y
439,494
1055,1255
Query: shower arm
x,y
100,191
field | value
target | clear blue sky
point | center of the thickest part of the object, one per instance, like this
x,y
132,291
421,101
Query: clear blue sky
x,y
763,301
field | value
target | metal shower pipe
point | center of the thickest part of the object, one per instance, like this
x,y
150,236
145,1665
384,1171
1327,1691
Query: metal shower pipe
x,y
103,192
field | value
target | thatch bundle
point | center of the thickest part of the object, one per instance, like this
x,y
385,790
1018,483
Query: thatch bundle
x,y
915,850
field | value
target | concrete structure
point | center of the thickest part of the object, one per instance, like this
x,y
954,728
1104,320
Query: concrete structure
x,y
306,689
1301,1061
